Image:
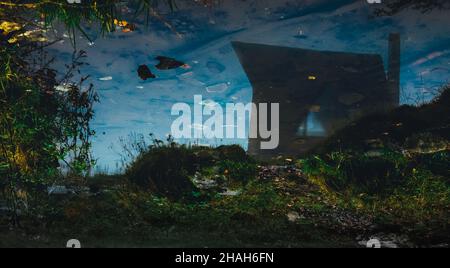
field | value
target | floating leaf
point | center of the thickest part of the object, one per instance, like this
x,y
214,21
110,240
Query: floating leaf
x,y
8,27
145,73
166,63
13,40
126,27
121,23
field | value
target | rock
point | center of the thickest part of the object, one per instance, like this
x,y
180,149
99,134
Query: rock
x,y
203,183
229,192
166,63
293,216
145,73
374,153
350,99
58,190
81,189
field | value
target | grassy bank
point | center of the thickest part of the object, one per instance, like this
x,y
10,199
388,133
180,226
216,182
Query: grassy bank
x,y
389,180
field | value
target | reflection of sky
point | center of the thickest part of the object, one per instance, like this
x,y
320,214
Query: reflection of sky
x,y
312,127
131,105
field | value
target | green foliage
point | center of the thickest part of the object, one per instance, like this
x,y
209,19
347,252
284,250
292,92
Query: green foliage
x,y
233,153
40,127
238,171
78,17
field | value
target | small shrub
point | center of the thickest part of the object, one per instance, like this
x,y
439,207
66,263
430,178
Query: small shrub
x,y
233,153
165,170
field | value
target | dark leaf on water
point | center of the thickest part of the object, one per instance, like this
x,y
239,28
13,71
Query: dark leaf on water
x,y
145,73
166,63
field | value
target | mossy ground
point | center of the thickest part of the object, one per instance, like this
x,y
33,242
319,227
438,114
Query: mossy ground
x,y
349,190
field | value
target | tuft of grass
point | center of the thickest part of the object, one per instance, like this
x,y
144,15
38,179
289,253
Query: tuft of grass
x,y
165,170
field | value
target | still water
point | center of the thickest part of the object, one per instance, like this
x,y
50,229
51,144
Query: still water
x,y
202,39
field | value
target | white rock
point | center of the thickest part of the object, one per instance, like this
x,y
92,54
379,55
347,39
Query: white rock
x,y
58,190
293,216
230,193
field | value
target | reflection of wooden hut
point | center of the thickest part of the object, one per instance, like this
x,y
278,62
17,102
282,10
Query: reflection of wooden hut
x,y
318,91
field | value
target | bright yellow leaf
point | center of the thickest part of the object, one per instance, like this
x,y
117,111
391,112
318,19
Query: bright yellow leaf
x,y
121,23
8,27
12,40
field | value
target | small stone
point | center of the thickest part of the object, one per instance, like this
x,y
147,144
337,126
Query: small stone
x,y
374,154
230,193
293,216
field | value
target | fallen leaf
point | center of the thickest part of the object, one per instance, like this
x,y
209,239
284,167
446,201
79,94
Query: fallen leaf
x,y
145,73
8,27
166,63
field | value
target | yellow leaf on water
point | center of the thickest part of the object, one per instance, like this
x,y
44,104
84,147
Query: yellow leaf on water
x,y
121,23
8,27
30,5
12,40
